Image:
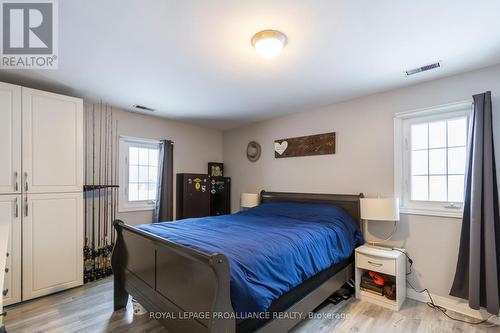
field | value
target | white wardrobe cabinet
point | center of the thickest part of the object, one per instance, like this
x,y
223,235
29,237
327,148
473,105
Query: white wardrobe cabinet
x,y
10,138
10,213
41,184
52,142
52,243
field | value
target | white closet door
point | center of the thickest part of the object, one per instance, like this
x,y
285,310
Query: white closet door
x,y
52,243
10,218
52,142
10,138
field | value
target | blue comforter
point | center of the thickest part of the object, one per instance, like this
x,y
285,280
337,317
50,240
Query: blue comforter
x,y
271,248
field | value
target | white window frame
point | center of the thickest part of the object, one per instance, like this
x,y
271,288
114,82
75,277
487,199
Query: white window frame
x,y
402,158
124,205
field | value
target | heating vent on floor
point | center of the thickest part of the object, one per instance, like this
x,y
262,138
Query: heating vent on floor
x,y
423,68
142,108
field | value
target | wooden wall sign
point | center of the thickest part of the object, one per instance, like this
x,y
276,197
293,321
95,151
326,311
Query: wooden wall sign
x,y
319,144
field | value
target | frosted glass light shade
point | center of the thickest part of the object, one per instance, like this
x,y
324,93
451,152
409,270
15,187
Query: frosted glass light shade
x,y
249,200
380,209
268,43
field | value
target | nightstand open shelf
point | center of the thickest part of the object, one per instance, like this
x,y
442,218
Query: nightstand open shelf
x,y
390,263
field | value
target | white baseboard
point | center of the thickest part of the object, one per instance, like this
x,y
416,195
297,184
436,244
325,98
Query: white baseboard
x,y
452,305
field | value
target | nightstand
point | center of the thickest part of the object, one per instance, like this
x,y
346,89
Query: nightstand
x,y
392,264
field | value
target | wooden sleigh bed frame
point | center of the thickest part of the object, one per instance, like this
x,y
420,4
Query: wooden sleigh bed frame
x,y
189,291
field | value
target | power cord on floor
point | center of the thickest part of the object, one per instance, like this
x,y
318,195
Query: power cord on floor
x,y
433,305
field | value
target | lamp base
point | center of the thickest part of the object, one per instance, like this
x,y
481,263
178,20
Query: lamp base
x,y
385,248
372,243
380,247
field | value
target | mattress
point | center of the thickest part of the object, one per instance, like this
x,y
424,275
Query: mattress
x,y
271,249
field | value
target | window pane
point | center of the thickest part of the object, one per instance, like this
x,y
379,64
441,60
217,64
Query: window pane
x,y
143,191
438,157
143,174
419,136
419,165
153,157
133,156
152,191
419,188
456,188
143,156
133,174
437,188
437,161
437,134
142,171
152,178
133,192
456,160
457,132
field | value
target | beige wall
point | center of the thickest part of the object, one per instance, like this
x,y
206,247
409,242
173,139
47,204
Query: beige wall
x,y
363,162
194,147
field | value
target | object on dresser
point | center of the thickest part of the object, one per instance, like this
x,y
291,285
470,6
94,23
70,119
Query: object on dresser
x,y
220,196
215,169
193,195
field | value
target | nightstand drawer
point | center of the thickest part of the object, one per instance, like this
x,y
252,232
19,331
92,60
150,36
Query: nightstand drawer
x,y
377,264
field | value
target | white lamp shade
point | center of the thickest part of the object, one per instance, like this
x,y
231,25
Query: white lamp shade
x,y
249,200
380,209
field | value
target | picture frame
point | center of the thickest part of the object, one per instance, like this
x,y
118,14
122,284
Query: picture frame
x,y
309,145
215,169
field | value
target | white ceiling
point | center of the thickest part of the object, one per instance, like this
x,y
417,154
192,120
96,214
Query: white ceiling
x,y
193,61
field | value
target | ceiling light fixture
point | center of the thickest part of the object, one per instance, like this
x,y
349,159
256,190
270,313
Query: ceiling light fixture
x,y
268,43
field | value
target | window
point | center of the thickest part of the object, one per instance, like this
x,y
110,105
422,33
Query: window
x,y
431,149
139,159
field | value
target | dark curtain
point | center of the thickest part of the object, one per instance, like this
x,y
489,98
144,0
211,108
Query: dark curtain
x,y
164,208
478,266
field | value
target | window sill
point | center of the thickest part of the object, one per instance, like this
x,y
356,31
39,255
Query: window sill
x,y
458,214
134,209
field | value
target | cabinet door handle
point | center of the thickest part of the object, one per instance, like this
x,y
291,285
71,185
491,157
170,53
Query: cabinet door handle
x,y
374,263
17,208
26,207
16,183
26,187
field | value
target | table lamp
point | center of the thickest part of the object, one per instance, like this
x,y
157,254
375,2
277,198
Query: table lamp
x,y
249,200
379,209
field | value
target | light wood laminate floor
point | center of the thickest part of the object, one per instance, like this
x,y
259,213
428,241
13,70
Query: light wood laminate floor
x,y
90,309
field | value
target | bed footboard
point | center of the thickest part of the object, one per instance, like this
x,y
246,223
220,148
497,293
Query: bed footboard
x,y
187,290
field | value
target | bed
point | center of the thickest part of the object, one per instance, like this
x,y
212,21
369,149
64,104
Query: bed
x,y
186,272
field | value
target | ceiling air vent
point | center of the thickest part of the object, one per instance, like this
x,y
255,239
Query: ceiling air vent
x,y
423,68
142,108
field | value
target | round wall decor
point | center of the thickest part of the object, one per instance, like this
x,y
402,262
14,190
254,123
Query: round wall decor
x,y
253,151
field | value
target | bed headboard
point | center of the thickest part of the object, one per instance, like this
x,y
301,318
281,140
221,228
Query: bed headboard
x,y
348,202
